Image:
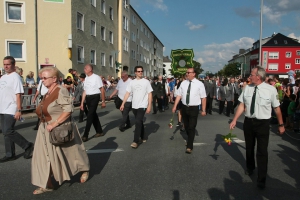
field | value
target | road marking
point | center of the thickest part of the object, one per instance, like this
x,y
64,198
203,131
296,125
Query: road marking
x,y
104,150
198,144
237,140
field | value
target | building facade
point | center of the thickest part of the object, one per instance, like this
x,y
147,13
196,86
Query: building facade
x,y
70,34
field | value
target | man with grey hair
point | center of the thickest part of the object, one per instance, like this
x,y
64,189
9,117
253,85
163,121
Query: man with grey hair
x,y
256,101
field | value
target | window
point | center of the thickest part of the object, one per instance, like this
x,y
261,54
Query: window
x,y
125,23
103,59
298,53
133,19
273,67
273,55
133,37
111,61
297,61
80,54
142,28
137,33
133,54
111,37
103,6
93,57
15,12
111,13
80,24
288,66
275,42
93,28
125,44
103,33
288,54
285,42
125,4
93,2
17,49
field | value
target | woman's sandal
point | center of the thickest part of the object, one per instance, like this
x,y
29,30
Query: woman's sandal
x,y
84,177
42,190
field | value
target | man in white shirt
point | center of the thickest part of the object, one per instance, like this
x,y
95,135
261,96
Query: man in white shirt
x,y
121,90
192,93
141,103
10,110
256,101
93,86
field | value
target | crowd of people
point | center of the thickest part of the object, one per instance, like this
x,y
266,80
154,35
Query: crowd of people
x,y
256,97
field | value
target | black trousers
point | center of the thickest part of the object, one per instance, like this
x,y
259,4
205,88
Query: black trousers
x,y
154,99
125,115
92,117
190,117
236,102
209,101
257,131
228,108
139,124
81,112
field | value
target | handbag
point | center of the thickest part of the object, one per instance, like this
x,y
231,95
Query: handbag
x,y
118,102
62,134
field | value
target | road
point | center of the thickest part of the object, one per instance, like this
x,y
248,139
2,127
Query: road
x,y
160,169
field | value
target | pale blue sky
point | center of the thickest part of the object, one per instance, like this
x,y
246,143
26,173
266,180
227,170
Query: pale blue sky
x,y
216,29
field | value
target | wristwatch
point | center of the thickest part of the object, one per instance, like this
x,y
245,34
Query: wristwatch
x,y
203,111
280,124
19,110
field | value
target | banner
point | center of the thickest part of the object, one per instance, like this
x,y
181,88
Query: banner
x,y
182,59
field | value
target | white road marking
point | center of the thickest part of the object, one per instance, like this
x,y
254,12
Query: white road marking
x,y
198,144
104,150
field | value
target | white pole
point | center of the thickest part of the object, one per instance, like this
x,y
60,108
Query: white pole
x,y
260,37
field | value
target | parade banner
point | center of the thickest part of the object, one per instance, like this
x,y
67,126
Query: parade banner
x,y
182,59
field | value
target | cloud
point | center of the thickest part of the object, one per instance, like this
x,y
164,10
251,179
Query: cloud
x,y
193,26
272,15
158,4
246,12
215,56
292,35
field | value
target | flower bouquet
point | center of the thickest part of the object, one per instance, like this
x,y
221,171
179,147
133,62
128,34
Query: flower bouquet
x,y
171,122
228,138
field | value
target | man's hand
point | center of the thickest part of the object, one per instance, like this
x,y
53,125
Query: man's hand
x,y
203,113
103,105
17,115
148,110
281,130
232,125
81,107
122,107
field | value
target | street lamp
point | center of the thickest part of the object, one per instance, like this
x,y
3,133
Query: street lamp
x,y
260,37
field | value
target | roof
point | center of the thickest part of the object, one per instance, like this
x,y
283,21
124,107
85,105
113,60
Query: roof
x,y
166,59
281,40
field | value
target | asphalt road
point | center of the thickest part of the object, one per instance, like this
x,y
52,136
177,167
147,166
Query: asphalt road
x,y
160,169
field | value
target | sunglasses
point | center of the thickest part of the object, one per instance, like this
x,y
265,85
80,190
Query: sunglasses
x,y
189,72
139,71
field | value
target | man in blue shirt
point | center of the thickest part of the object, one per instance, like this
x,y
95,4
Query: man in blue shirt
x,y
172,86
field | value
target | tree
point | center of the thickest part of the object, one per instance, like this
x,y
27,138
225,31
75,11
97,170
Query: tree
x,y
231,69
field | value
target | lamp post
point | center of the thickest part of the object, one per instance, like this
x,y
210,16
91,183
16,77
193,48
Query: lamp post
x,y
260,37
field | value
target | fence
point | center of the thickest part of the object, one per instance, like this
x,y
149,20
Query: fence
x,y
27,98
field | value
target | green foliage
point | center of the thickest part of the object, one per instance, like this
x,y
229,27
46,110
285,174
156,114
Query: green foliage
x,y
231,70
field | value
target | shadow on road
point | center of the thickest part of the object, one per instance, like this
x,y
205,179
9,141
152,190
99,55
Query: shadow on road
x,y
150,128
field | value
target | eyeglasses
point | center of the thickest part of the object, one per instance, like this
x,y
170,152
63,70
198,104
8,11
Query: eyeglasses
x,y
45,78
253,75
139,71
189,72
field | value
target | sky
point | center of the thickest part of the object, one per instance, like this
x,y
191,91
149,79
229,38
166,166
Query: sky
x,y
217,29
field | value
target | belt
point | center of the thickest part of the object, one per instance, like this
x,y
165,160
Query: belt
x,y
191,105
255,119
90,95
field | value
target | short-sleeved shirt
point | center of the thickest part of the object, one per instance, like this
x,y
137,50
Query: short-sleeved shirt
x,y
266,98
197,92
10,85
172,85
140,89
121,87
92,84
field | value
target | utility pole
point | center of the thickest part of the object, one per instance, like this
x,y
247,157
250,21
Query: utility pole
x,y
260,37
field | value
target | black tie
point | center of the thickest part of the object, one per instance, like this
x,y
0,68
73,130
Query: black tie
x,y
188,94
253,101
233,88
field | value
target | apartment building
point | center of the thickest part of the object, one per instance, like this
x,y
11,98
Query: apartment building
x,y
72,33
146,49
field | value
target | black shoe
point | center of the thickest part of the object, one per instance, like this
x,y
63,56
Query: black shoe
x,y
84,139
6,159
178,124
182,129
122,129
154,113
79,121
249,172
98,135
35,128
127,126
209,112
261,184
28,151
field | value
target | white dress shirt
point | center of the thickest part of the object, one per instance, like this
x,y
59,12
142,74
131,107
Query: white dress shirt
x,y
197,92
92,84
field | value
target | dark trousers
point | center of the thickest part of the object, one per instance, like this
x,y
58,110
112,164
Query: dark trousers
x,y
92,117
139,124
190,116
236,102
228,108
160,103
11,137
257,130
125,115
209,101
154,99
81,112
